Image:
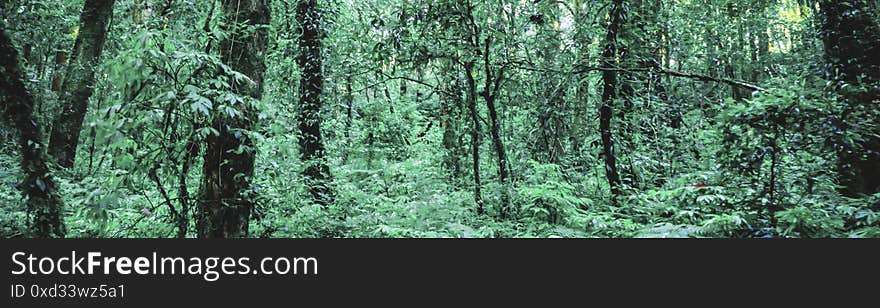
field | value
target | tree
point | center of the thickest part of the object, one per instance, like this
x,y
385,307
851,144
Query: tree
x,y
549,146
450,118
851,39
476,131
490,93
227,196
576,118
316,173
79,80
43,201
617,16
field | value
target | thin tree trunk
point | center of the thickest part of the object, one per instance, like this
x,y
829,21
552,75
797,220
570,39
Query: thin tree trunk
x,y
737,50
761,49
490,94
316,174
349,115
192,149
227,196
582,21
450,115
58,77
549,146
79,80
475,134
609,95
43,201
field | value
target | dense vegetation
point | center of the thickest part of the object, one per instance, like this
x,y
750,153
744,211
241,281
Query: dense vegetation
x,y
440,118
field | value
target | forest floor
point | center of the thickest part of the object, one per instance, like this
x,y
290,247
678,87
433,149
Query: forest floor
x,y
413,198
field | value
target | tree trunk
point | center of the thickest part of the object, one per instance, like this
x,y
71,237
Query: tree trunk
x,y
450,115
851,38
316,174
549,146
736,49
227,197
475,134
762,48
609,95
57,76
43,201
490,94
580,119
79,80
349,115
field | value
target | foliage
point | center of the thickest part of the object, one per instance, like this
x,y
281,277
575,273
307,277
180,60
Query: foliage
x,y
699,154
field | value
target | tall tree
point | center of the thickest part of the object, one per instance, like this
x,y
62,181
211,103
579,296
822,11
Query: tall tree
x,y
227,197
549,146
475,134
582,36
490,93
851,37
450,116
43,201
316,173
610,55
79,80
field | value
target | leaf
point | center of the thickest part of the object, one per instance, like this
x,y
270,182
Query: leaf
x,y
205,131
40,184
201,104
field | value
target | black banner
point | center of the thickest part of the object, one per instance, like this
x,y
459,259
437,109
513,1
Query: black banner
x,y
333,272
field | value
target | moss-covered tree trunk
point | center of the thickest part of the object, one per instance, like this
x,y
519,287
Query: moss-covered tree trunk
x,y
79,80
226,199
851,38
42,200
316,173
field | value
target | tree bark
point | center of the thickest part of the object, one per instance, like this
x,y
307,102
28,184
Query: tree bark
x,y
316,174
227,197
43,201
609,95
79,80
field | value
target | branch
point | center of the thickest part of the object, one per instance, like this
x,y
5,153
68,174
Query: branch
x,y
705,78
709,78
670,72
155,177
388,78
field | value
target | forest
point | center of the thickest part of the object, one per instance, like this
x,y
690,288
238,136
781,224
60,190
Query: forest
x,y
440,119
